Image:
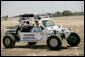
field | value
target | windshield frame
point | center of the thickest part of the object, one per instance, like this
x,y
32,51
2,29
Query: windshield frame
x,y
50,24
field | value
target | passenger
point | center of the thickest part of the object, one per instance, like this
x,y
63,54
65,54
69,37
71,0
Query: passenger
x,y
36,28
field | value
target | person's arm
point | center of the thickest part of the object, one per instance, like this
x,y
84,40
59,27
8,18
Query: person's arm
x,y
40,29
33,30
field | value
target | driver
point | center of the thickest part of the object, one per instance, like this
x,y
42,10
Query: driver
x,y
36,28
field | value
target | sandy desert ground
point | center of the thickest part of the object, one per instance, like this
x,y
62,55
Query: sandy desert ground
x,y
41,49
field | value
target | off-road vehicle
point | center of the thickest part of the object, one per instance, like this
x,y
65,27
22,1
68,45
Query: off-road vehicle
x,y
51,33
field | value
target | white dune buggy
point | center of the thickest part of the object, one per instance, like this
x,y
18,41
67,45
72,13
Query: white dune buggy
x,y
50,33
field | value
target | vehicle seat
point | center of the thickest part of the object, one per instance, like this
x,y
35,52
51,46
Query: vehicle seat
x,y
27,29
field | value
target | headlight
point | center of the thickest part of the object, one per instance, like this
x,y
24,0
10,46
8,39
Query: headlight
x,y
70,29
64,30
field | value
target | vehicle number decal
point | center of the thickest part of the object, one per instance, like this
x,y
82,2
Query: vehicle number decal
x,y
28,36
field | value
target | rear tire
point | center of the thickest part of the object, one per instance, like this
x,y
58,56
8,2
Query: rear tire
x,y
73,39
9,41
54,43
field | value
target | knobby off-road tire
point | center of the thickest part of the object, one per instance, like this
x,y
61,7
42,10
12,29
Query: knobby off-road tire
x,y
54,43
9,41
73,39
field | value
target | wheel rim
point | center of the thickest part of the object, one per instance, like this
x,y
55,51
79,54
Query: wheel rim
x,y
53,42
7,41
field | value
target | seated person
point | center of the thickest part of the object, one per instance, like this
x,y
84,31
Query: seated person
x,y
36,28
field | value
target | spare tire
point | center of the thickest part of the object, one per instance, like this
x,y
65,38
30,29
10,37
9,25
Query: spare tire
x,y
73,39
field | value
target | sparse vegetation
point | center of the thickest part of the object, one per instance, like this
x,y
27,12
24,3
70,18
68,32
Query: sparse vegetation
x,y
67,13
64,13
4,18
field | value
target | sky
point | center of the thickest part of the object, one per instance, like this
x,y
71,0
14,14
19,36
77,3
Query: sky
x,y
13,8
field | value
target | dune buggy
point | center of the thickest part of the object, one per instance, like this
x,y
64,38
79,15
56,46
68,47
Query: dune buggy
x,y
50,33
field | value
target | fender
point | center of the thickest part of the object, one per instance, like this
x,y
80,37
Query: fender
x,y
55,36
10,35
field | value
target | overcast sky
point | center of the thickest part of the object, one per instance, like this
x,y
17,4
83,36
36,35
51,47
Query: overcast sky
x,y
12,8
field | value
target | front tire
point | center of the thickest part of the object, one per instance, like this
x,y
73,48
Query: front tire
x,y
9,41
73,39
54,43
